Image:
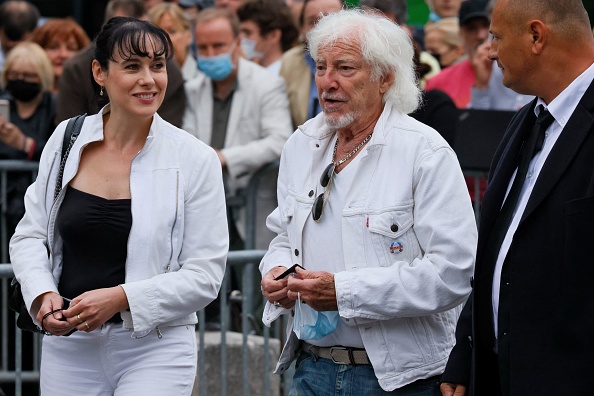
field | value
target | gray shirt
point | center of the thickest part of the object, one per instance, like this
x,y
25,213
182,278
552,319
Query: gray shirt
x,y
497,96
220,117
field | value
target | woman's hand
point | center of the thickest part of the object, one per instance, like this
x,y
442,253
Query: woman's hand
x,y
92,309
54,323
275,291
11,135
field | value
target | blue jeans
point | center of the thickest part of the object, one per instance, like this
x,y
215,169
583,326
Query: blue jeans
x,y
322,377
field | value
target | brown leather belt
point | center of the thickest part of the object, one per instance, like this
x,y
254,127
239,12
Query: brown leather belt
x,y
338,354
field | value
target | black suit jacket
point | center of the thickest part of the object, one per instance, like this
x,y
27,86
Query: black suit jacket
x,y
549,349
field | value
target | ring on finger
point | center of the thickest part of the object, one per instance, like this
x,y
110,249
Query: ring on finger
x,y
277,304
79,318
87,325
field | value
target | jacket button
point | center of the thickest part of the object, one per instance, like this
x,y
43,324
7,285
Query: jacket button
x,y
296,252
311,193
394,227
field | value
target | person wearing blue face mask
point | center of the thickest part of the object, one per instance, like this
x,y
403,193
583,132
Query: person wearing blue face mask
x,y
241,110
217,67
234,105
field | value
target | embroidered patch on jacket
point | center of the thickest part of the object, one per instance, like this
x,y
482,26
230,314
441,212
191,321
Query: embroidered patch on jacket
x,y
396,247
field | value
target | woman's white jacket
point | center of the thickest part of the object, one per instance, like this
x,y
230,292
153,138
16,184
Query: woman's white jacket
x,y
408,238
178,242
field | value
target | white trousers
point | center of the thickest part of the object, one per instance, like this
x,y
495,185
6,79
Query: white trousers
x,y
109,362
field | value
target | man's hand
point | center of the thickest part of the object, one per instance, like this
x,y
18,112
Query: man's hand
x,y
316,289
482,65
275,291
448,389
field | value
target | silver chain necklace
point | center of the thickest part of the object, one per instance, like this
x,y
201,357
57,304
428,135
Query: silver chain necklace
x,y
351,153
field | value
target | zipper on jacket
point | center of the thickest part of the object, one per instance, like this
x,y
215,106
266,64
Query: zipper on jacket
x,y
168,268
159,335
50,241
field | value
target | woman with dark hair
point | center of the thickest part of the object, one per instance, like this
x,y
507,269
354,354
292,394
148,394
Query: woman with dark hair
x,y
135,241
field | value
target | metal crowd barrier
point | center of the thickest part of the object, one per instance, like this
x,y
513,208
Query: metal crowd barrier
x,y
248,258
6,167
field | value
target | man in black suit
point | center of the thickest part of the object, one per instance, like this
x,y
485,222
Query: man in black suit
x,y
528,327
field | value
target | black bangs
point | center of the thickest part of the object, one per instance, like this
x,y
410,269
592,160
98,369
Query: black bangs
x,y
138,43
129,37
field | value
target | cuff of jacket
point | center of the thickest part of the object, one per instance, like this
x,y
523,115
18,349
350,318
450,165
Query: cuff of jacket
x,y
458,369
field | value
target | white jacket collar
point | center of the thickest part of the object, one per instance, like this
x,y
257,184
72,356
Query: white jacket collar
x,y
316,128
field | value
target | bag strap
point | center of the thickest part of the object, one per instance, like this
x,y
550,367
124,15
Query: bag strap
x,y
72,131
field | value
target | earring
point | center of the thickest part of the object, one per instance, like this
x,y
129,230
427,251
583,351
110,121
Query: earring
x,y
101,92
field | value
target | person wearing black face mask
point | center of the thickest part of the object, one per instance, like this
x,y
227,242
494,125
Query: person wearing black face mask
x,y
26,79
23,90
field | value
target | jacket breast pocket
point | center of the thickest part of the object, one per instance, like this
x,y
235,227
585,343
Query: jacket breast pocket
x,y
391,235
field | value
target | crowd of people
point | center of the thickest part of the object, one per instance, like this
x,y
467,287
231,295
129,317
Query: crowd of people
x,y
385,282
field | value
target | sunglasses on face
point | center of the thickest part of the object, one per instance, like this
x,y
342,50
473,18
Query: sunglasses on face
x,y
320,202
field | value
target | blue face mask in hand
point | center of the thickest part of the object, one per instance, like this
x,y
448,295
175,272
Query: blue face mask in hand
x,y
310,324
217,67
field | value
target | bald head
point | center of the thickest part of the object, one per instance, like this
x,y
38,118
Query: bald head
x,y
567,18
541,46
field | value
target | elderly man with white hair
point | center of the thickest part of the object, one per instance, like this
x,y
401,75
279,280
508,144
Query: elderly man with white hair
x,y
385,238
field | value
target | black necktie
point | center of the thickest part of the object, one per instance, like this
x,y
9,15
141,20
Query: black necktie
x,y
531,146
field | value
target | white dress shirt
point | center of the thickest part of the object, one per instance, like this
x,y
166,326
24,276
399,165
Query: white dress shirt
x,y
562,107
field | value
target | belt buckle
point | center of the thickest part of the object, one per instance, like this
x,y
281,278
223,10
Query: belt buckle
x,y
349,355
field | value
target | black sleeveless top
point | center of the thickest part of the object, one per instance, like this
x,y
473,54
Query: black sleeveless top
x,y
94,232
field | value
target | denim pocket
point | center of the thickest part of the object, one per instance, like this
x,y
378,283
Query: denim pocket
x,y
303,357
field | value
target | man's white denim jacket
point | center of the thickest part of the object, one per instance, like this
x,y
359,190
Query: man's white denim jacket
x,y
178,242
409,240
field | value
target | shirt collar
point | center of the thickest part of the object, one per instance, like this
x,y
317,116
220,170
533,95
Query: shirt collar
x,y
563,106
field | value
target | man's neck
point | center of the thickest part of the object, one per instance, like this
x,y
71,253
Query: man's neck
x,y
558,81
271,56
223,88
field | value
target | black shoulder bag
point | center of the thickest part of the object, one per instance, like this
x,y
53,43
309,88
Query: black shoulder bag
x,y
16,302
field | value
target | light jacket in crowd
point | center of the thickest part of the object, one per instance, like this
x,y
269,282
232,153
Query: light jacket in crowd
x,y
408,235
178,241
